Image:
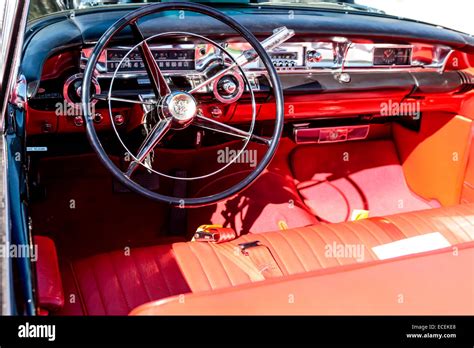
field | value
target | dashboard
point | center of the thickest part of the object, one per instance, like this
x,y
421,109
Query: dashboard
x,y
186,65
292,57
337,73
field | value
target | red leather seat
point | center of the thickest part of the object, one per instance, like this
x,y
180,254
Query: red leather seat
x,y
430,283
115,283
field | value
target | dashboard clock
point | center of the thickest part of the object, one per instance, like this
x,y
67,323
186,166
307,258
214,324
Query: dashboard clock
x,y
392,56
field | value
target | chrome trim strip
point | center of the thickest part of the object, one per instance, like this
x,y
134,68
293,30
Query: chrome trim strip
x,y
347,64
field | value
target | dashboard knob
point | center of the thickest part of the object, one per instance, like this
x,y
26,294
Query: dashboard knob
x,y
119,119
229,88
98,117
216,112
78,121
343,77
314,56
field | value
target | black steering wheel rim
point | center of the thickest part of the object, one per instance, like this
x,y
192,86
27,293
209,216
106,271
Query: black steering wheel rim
x,y
94,139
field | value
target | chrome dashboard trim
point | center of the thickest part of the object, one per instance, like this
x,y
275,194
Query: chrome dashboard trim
x,y
340,55
70,80
343,54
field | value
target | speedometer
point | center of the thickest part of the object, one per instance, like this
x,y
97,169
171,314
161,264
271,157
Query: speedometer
x,y
166,58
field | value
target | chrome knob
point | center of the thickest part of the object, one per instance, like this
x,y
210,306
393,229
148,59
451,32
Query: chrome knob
x,y
343,77
78,121
119,119
98,117
216,112
314,56
229,87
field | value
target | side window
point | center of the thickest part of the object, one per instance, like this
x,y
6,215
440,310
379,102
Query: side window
x,y
44,7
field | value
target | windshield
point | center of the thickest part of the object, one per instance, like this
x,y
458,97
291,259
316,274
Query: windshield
x,y
454,14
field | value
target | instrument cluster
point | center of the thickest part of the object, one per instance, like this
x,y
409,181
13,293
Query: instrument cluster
x,y
334,54
130,61
187,63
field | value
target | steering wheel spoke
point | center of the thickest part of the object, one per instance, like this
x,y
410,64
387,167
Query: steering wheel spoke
x,y
213,78
105,97
150,142
216,126
157,80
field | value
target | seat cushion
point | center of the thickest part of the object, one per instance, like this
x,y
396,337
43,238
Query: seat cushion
x,y
433,283
50,295
115,283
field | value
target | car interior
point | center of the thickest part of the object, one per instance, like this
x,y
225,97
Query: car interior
x,y
244,158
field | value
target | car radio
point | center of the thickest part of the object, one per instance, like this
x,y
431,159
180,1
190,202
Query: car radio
x,y
287,57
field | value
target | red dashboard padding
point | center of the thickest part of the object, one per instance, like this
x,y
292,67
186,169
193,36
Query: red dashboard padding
x,y
433,283
50,288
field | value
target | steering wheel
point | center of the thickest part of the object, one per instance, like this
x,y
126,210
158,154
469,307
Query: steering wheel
x,y
178,109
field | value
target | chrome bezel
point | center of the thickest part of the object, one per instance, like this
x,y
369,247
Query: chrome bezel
x,y
69,81
240,89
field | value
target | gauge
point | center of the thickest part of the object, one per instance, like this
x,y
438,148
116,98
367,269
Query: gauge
x,y
73,87
229,88
389,56
167,59
392,56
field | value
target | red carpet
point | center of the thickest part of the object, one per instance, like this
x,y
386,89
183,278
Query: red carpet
x,y
335,179
84,216
271,201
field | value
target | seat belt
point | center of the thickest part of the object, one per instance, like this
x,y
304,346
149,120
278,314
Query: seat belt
x,y
254,258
